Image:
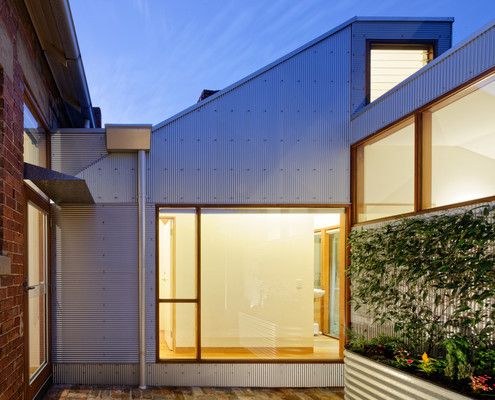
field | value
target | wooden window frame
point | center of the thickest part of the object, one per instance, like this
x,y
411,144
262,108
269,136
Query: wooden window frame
x,y
422,157
357,163
345,307
395,44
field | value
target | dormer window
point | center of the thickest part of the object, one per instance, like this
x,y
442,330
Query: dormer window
x,y
391,63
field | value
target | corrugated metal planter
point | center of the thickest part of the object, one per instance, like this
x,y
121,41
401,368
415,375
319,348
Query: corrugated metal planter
x,y
365,379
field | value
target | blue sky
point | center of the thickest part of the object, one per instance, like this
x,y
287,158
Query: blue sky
x,y
146,60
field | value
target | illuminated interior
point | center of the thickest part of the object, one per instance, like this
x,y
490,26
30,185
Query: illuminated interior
x,y
270,283
463,147
391,64
457,157
385,174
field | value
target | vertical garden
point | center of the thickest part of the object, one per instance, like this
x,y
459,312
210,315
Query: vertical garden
x,y
433,279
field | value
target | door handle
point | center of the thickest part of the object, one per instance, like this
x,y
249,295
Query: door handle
x,y
27,288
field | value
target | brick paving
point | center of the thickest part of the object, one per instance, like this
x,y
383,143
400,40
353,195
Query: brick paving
x,y
127,392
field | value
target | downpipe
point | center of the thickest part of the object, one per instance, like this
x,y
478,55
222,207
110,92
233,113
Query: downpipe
x,y
141,155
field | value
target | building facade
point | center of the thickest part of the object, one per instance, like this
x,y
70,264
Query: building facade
x,y
33,100
211,249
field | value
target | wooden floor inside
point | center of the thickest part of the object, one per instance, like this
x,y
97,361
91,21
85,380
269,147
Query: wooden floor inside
x,y
324,348
104,393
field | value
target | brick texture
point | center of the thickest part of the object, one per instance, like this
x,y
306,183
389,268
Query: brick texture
x,y
16,32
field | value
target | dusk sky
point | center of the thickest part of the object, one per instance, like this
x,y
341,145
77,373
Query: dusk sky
x,y
146,60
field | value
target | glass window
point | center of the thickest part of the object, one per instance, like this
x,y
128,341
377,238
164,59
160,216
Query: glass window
x,y
269,289
391,64
459,147
260,298
177,330
385,174
35,146
177,254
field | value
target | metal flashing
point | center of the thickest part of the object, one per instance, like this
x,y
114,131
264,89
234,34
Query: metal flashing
x,y
128,137
61,188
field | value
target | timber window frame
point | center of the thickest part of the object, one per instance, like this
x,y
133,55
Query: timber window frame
x,y
344,316
422,154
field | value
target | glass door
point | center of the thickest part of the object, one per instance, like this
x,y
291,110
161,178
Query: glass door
x,y
36,285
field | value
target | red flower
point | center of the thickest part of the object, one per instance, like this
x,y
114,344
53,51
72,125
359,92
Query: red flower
x,y
409,361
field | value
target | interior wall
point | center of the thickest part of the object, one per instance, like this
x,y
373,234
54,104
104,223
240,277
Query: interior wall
x,y
388,188
471,176
257,280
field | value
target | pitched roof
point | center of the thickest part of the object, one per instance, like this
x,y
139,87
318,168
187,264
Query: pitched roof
x,y
294,53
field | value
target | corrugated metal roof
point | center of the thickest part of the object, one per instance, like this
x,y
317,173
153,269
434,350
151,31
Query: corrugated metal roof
x,y
294,53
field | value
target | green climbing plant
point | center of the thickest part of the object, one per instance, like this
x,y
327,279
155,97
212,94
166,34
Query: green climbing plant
x,y
430,277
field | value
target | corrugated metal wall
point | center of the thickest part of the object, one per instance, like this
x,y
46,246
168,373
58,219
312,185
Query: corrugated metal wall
x,y
363,31
94,288
455,67
281,137
238,375
72,150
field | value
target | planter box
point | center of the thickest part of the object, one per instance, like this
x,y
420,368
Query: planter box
x,y
365,379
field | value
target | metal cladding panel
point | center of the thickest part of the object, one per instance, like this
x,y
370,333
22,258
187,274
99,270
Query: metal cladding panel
x,y
441,32
368,380
150,282
113,178
96,374
280,137
464,62
94,304
72,150
175,374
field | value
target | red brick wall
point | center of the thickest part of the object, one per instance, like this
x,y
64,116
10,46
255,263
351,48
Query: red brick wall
x,y
22,65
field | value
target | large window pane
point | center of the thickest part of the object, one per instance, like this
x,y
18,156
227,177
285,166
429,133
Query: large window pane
x,y
385,174
462,143
390,65
177,258
177,330
260,298
34,140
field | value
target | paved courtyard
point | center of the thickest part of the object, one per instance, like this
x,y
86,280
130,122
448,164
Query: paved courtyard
x,y
85,392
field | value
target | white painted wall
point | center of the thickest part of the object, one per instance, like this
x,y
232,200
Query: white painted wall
x,y
257,280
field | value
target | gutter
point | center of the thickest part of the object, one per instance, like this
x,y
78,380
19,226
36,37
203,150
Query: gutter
x,y
52,20
64,4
